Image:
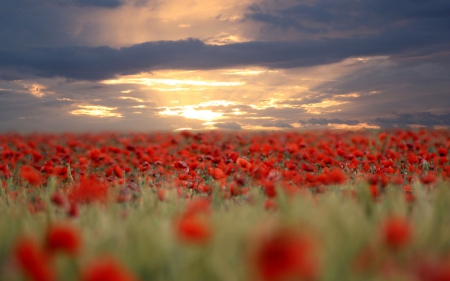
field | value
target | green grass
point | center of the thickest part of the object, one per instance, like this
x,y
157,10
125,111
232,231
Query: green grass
x,y
141,234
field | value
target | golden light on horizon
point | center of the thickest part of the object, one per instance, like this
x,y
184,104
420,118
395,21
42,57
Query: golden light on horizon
x,y
319,108
192,113
138,79
198,111
97,111
247,72
360,126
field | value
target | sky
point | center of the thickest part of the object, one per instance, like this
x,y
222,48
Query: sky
x,y
167,65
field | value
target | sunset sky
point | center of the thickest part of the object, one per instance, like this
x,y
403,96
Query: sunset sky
x,y
144,65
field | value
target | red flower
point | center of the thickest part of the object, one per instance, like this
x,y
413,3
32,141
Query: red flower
x,y
442,151
64,238
59,200
31,175
118,171
74,210
107,268
33,260
244,163
432,269
396,232
198,205
270,205
285,255
89,190
193,229
217,173
336,177
429,178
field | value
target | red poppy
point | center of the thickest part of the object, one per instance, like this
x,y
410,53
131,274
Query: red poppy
x,y
217,173
198,205
429,178
74,210
432,269
59,200
396,232
118,171
63,238
284,254
193,229
33,260
89,190
31,175
442,151
270,205
244,164
106,268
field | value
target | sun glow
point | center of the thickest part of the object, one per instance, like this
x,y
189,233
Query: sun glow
x,y
199,111
192,113
137,79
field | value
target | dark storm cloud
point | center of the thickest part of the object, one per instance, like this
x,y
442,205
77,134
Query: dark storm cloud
x,y
94,63
92,3
40,38
325,121
418,118
228,125
323,16
8,77
384,87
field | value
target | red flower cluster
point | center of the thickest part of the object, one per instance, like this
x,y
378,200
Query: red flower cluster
x,y
36,260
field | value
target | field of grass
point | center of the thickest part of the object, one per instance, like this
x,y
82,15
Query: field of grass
x,y
368,205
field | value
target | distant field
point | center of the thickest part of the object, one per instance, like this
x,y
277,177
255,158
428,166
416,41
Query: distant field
x,y
215,205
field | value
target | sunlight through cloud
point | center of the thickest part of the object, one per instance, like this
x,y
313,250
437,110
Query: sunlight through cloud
x,y
192,113
318,108
97,111
131,98
133,79
197,111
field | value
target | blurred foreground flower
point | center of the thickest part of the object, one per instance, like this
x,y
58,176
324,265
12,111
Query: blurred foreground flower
x,y
396,232
284,254
31,175
63,238
193,228
33,260
107,269
89,190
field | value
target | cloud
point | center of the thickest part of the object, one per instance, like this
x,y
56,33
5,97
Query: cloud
x,y
94,63
90,3
277,124
228,125
325,121
427,119
348,16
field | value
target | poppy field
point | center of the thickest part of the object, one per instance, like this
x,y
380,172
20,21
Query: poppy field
x,y
220,205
